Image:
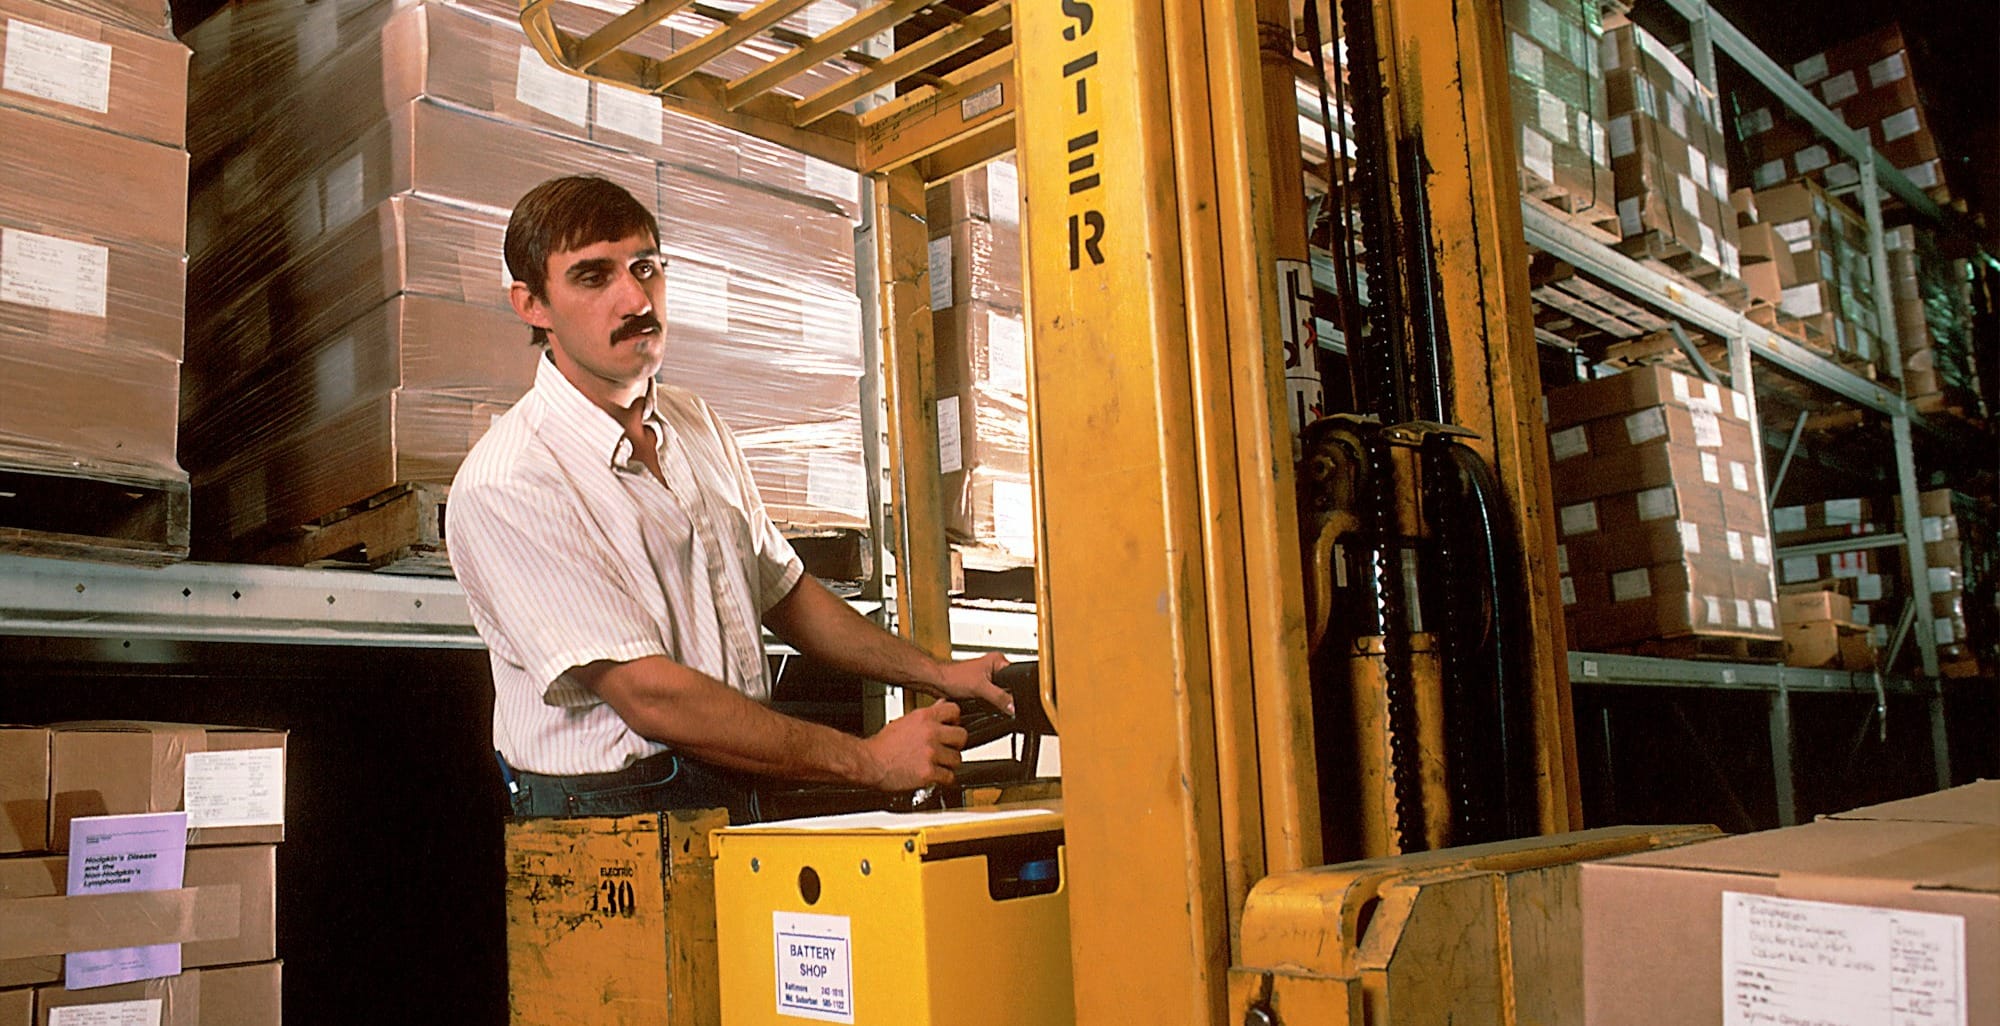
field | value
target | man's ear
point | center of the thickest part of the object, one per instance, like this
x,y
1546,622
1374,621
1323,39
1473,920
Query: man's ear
x,y
526,306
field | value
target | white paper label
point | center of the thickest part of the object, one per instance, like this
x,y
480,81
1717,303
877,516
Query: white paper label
x,y
1690,537
144,1012
1538,155
335,374
52,273
1839,89
307,222
1786,960
987,99
1545,24
1658,504
1734,542
1712,609
1946,633
1006,353
1622,143
1014,516
1933,528
1677,117
1741,406
1562,558
814,957
1900,124
318,34
1739,476
1810,70
1756,122
1572,442
1861,615
629,113
57,66
1888,69
346,192
1718,183
1842,512
1003,193
1794,231
240,788
941,274
1743,614
1568,585
1579,519
1769,173
826,15
554,92
1788,518
1628,216
1631,584
835,482
1690,195
697,296
1924,175
1680,384
1842,175
1707,428
1760,550
1554,115
1711,469
1943,579
1802,300
1697,163
951,452
1646,425
1527,58
1767,615
1812,158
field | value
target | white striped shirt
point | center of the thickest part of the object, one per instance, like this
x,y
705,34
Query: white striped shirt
x,y
571,552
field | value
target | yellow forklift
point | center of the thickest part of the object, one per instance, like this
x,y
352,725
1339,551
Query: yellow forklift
x,y
1308,669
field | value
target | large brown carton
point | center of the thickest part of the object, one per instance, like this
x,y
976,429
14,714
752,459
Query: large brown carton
x,y
1667,153
1847,919
991,192
68,65
1636,390
113,767
977,260
1559,104
1692,596
244,995
137,192
17,1007
24,789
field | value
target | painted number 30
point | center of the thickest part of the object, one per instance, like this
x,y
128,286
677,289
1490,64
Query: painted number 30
x,y
614,898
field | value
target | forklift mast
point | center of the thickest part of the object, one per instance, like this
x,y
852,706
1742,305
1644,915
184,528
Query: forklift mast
x,y
1169,360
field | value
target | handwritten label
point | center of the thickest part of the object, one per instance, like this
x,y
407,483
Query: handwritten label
x,y
109,1013
243,788
57,66
546,89
52,273
629,113
951,450
1785,960
940,270
814,958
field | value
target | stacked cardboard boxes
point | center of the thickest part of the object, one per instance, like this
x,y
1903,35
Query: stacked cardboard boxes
x,y
1933,309
351,285
982,380
93,206
1869,82
221,918
1813,249
1820,632
1663,529
1559,105
1667,155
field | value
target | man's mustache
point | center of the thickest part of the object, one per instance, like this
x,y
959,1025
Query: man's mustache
x,y
635,326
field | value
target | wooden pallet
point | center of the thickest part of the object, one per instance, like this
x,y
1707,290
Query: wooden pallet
x,y
399,530
87,513
836,557
1728,648
1582,213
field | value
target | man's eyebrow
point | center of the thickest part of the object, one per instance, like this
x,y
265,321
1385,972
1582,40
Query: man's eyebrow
x,y
595,265
647,254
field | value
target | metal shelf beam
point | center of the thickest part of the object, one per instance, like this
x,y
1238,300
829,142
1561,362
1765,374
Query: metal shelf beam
x,y
1643,671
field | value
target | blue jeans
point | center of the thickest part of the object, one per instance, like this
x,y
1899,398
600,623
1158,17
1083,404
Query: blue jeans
x,y
655,784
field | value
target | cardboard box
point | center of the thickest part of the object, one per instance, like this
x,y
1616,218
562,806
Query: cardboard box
x,y
1601,458
976,261
1814,606
644,886
243,995
112,767
178,999
1778,919
1558,102
135,192
1667,152
17,1007
1638,389
993,509
223,914
990,192
24,789
1827,645
1674,600
84,405
93,73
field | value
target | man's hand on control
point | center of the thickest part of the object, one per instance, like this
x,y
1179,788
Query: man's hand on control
x,y
973,678
919,749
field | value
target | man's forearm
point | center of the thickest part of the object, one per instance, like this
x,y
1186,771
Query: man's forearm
x,y
708,720
819,624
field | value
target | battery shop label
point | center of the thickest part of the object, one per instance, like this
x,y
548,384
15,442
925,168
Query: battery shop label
x,y
815,968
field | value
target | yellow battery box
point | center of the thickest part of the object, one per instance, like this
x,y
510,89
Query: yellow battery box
x,y
923,919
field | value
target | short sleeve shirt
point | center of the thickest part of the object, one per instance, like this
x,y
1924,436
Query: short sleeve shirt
x,y
571,552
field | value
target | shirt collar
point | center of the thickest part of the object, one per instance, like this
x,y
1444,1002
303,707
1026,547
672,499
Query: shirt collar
x,y
581,424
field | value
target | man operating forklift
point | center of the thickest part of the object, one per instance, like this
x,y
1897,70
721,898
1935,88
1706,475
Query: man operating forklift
x,y
618,563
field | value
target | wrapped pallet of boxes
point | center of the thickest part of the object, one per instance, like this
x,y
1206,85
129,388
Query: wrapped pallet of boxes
x,y
975,269
1559,106
93,266
1930,296
352,288
161,891
1886,914
1663,528
1870,83
1828,300
1668,160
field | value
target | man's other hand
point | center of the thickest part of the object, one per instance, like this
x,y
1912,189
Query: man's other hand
x,y
973,678
919,749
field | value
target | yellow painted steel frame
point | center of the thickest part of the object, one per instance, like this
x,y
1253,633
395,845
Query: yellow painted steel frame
x,y
1446,72
1173,608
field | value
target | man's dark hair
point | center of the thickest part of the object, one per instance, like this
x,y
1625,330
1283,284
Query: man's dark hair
x,y
568,213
